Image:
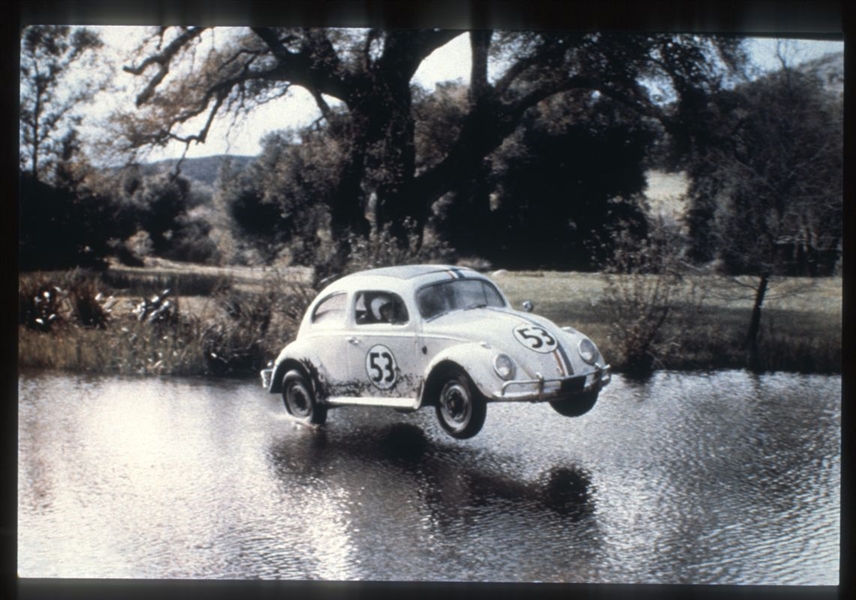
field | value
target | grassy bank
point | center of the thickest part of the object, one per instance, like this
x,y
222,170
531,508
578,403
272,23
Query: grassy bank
x,y
231,322
221,323
800,332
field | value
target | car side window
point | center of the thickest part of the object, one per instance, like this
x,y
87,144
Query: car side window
x,y
330,311
379,307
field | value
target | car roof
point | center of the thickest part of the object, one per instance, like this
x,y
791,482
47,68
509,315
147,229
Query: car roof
x,y
402,277
411,271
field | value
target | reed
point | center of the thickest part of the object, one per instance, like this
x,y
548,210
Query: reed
x,y
233,331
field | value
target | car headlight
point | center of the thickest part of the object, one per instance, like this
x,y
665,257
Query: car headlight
x,y
504,366
588,351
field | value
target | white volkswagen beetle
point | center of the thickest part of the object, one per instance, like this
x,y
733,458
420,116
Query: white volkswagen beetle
x,y
428,335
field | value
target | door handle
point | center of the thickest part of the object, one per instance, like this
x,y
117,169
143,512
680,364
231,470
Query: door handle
x,y
353,340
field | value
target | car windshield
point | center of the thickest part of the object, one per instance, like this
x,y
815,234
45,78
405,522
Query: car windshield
x,y
440,298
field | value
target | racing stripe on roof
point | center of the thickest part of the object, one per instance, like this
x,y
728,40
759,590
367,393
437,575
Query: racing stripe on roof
x,y
456,274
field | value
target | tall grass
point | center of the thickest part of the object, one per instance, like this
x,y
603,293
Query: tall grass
x,y
235,330
799,332
236,336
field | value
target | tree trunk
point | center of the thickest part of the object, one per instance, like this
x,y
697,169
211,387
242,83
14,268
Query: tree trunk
x,y
752,350
391,157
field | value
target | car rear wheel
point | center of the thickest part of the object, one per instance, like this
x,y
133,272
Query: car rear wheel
x,y
300,401
461,409
576,406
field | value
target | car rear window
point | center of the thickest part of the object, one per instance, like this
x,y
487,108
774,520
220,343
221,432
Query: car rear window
x,y
330,311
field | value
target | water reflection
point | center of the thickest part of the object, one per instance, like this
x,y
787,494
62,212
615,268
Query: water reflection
x,y
395,483
721,478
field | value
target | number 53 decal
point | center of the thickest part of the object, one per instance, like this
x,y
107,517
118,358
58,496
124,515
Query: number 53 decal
x,y
535,338
380,367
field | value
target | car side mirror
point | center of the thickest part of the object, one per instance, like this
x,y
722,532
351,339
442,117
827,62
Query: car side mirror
x,y
528,306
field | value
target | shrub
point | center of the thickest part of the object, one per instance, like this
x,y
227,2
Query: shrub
x,y
253,326
382,249
643,289
47,300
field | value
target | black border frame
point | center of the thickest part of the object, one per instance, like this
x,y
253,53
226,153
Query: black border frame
x,y
818,19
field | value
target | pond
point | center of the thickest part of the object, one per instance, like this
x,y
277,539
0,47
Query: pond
x,y
727,478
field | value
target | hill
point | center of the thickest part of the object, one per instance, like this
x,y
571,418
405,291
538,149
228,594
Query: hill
x,y
200,170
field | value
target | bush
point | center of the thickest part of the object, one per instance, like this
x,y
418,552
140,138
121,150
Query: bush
x,y
381,249
643,290
253,326
60,228
47,300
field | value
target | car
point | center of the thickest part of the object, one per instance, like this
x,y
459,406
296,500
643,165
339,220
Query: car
x,y
408,337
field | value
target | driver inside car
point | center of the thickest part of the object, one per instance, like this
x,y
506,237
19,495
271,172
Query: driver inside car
x,y
381,309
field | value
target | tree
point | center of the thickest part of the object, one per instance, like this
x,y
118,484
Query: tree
x,y
575,175
61,228
279,201
157,208
769,191
369,72
49,97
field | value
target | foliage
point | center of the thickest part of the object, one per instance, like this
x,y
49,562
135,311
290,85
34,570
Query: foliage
x,y
153,333
382,168
768,193
153,216
767,196
644,289
48,100
381,250
61,300
572,173
253,326
61,228
278,202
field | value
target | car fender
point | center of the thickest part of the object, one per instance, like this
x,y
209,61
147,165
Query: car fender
x,y
571,339
475,358
296,355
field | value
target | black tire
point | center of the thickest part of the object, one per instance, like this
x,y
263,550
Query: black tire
x,y
460,407
299,399
576,406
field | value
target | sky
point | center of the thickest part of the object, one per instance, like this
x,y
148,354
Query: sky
x,y
449,63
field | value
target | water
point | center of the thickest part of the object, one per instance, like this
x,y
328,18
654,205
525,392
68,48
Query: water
x,y
725,478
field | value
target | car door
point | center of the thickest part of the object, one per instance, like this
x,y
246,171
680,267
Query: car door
x,y
382,347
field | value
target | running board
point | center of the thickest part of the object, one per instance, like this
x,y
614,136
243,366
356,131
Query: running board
x,y
409,403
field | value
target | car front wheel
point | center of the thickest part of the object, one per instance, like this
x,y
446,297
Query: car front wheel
x,y
576,406
300,401
461,409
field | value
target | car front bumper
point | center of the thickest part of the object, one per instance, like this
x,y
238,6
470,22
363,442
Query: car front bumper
x,y
541,390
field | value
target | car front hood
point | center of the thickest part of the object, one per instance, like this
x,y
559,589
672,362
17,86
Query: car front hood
x,y
535,343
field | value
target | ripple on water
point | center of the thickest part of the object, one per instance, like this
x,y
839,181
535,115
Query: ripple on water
x,y
684,478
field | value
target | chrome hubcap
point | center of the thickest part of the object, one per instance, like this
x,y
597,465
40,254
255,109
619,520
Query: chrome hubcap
x,y
455,403
297,400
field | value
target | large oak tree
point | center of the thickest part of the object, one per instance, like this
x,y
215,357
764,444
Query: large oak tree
x,y
192,75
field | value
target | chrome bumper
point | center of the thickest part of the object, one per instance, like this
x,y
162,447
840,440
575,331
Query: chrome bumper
x,y
540,389
267,377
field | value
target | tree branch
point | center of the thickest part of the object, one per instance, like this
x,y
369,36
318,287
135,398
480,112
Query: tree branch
x,y
162,59
305,68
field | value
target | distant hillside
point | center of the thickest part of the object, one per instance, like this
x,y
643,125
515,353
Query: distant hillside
x,y
203,170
